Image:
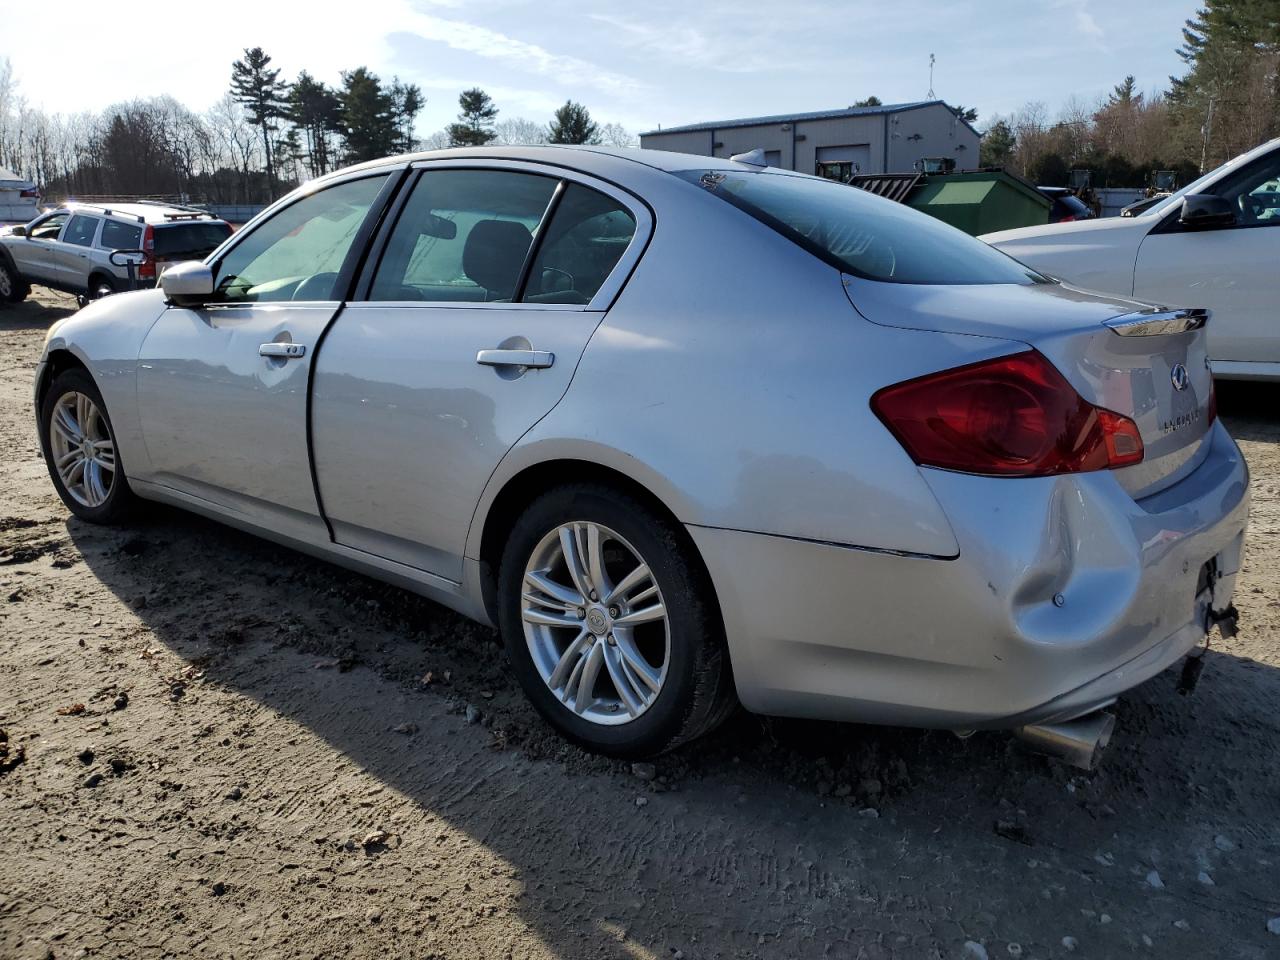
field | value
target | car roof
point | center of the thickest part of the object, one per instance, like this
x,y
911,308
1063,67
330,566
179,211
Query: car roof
x,y
150,213
588,159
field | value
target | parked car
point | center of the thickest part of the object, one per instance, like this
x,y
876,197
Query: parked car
x,y
1067,207
69,248
1215,243
1143,205
19,197
689,432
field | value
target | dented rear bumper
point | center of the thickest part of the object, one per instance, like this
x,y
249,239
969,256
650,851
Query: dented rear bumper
x,y
1066,592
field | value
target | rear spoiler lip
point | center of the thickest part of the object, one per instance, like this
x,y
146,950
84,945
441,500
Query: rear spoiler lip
x,y
1154,323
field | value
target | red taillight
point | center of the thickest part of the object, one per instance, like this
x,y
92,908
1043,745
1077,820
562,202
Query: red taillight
x,y
1014,416
32,194
147,268
1069,218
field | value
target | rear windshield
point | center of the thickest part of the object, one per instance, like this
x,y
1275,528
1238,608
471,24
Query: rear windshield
x,y
189,241
862,234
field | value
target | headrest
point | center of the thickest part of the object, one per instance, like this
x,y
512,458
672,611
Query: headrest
x,y
494,254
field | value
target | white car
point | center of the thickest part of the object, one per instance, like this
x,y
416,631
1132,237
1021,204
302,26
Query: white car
x,y
1214,243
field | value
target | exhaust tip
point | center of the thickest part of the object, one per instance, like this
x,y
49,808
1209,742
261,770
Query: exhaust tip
x,y
1080,742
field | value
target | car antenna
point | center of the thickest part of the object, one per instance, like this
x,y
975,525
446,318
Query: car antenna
x,y
754,157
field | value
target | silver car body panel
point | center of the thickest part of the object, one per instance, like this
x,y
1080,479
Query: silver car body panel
x,y
729,375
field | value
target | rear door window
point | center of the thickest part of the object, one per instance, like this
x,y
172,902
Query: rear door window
x,y
81,230
587,236
463,235
120,236
862,234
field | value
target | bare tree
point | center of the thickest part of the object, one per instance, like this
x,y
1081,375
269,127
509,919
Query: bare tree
x,y
515,131
616,135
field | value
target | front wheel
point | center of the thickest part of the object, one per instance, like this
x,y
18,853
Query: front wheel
x,y
13,289
609,624
80,450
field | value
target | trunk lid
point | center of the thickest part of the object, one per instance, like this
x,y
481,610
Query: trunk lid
x,y
1126,356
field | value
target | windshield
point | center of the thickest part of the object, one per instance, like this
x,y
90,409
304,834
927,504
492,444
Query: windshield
x,y
860,233
1210,178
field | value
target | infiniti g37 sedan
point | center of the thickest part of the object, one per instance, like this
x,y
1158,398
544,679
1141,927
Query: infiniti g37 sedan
x,y
690,432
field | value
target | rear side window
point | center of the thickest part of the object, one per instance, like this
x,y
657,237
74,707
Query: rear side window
x,y
120,236
80,231
862,234
463,235
189,241
586,238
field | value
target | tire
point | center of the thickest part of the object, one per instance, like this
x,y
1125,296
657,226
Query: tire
x,y
74,398
100,285
13,289
684,651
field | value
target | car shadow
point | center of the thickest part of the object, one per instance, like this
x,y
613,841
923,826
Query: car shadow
x,y
769,837
39,311
1251,410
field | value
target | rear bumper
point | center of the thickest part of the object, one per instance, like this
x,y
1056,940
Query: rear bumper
x,y
826,631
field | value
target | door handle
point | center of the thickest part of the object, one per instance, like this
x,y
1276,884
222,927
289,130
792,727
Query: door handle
x,y
282,351
537,359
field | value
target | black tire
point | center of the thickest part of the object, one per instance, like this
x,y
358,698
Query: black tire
x,y
13,289
100,285
698,691
120,499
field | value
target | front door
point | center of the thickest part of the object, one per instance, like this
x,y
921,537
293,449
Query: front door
x,y
489,287
1228,269
34,254
222,388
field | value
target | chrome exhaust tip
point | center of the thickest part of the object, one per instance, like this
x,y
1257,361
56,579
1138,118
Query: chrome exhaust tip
x,y
1080,742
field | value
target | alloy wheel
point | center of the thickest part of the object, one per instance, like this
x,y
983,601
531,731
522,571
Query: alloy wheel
x,y
84,452
595,623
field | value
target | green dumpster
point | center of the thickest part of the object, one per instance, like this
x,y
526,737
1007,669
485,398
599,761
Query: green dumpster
x,y
981,201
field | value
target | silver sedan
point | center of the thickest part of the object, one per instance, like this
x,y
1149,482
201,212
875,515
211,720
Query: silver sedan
x,y
690,432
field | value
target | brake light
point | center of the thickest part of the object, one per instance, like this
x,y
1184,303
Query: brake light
x,y
1069,218
1014,416
147,268
32,194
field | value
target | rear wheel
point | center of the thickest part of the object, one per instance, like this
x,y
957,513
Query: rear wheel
x,y
80,450
13,289
609,624
100,285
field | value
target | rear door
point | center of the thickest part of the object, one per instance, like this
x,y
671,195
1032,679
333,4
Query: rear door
x,y
1230,270
485,293
222,388
71,254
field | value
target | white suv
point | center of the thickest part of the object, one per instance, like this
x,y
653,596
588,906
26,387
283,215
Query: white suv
x,y
1214,243
71,248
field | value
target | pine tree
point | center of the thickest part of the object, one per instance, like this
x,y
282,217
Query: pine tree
x,y
261,91
313,108
1124,92
967,114
475,120
407,102
997,146
573,124
366,116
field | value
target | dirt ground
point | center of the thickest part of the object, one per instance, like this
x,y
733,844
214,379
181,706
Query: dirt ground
x,y
219,748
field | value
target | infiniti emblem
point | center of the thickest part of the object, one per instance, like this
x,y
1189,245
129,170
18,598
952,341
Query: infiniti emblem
x,y
1179,377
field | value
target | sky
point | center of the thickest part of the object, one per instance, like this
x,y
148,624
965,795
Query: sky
x,y
644,65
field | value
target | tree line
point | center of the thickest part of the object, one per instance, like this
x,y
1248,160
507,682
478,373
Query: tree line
x,y
1227,102
262,138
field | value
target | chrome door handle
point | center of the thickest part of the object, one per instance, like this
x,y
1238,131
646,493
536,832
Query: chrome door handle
x,y
282,351
537,359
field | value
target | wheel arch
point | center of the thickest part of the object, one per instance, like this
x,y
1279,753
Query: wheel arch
x,y
56,362
514,495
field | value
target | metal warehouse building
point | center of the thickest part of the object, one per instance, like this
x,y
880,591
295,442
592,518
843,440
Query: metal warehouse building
x,y
834,143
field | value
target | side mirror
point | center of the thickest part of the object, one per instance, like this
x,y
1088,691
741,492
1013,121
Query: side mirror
x,y
190,282
1204,211
18,231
